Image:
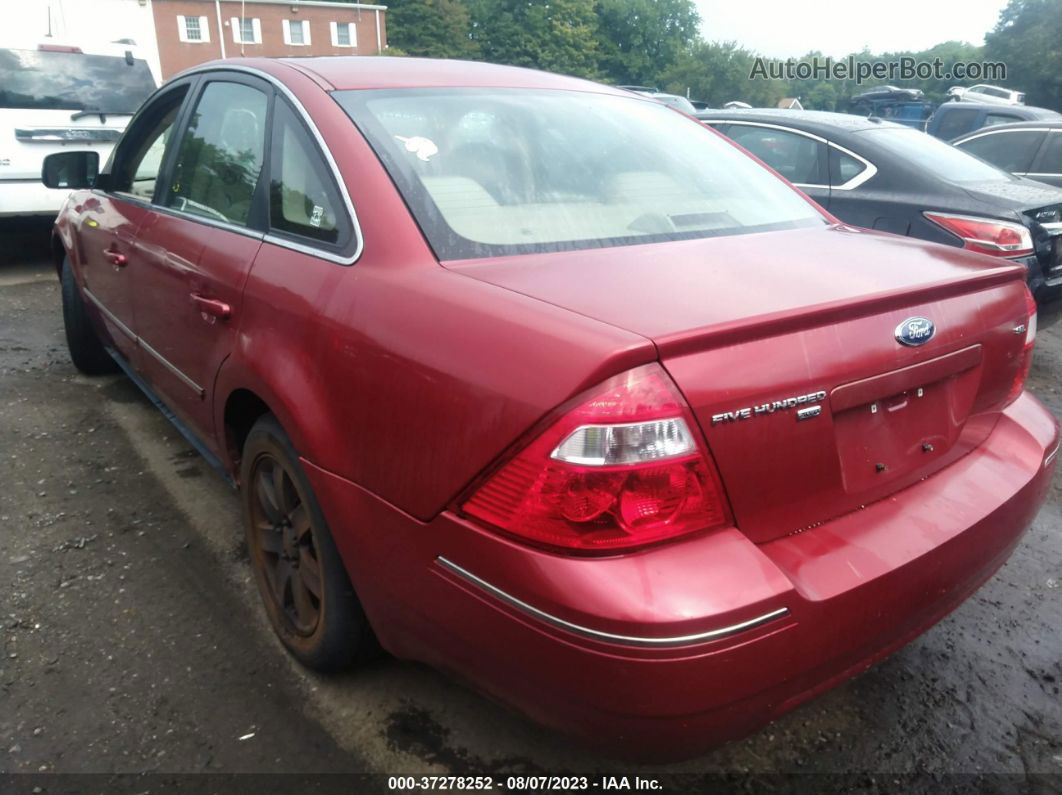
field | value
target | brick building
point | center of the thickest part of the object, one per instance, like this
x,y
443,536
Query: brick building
x,y
189,32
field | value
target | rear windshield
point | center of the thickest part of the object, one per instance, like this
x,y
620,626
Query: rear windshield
x,y
932,156
72,81
490,172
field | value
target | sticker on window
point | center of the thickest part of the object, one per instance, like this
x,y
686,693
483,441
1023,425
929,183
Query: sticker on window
x,y
423,148
316,215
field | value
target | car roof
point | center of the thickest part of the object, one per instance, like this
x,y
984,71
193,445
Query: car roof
x,y
809,120
1032,111
1050,124
348,72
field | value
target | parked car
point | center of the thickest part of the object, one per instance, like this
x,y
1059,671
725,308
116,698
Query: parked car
x,y
54,96
553,388
890,93
993,95
911,114
879,175
671,100
953,119
1025,149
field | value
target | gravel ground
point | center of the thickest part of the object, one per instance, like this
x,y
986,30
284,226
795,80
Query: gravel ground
x,y
131,641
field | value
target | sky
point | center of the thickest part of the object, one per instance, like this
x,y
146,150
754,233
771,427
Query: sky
x,y
785,28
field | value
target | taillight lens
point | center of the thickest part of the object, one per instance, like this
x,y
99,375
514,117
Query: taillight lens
x,y
620,469
1027,352
987,235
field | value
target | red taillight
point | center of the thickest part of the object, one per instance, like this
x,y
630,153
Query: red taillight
x,y
622,468
58,48
987,235
1027,351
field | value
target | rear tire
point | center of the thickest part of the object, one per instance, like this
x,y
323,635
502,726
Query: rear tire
x,y
86,350
301,578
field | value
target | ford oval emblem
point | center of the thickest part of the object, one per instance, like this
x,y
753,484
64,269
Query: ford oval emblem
x,y
915,331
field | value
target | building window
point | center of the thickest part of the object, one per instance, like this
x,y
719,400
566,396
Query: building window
x,y
344,34
193,30
296,31
246,30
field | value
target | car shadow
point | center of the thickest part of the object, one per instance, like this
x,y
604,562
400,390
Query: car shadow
x,y
1049,313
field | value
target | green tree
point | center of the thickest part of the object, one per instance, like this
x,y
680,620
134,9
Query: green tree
x,y
1028,39
718,72
639,39
430,28
554,35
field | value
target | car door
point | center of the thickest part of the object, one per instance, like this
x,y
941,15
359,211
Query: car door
x,y
798,156
196,245
108,220
1047,167
1010,150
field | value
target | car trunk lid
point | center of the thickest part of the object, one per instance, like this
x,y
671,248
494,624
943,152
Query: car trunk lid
x,y
785,345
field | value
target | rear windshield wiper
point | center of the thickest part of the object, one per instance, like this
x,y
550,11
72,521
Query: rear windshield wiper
x,y
103,114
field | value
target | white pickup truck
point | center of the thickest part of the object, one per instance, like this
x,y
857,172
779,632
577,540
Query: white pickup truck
x,y
58,96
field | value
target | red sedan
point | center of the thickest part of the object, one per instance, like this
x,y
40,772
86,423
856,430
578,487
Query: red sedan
x,y
546,385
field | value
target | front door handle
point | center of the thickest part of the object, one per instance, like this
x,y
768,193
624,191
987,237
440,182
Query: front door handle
x,y
116,259
212,306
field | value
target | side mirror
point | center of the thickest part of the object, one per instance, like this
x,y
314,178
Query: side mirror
x,y
71,170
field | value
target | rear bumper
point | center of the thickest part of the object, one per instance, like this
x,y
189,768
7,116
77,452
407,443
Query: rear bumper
x,y
29,197
670,650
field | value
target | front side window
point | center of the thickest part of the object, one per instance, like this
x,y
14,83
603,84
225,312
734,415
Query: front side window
x,y
1010,151
303,199
220,157
796,157
139,158
489,172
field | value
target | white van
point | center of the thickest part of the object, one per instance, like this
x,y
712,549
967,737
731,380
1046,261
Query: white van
x,y
58,96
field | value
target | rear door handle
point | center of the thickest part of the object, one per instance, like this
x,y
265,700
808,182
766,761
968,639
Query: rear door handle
x,y
212,306
115,258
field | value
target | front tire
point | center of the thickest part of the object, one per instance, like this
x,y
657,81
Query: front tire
x,y
305,588
86,350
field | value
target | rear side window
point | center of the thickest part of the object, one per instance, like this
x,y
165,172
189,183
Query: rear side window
x,y
795,157
955,121
1051,162
1011,151
303,198
221,154
843,168
1000,118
